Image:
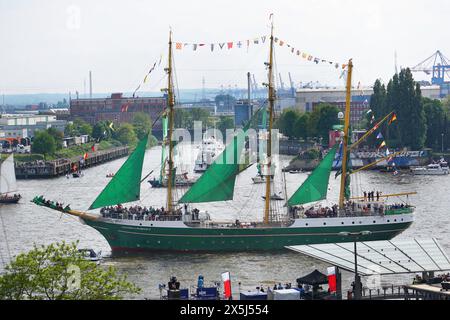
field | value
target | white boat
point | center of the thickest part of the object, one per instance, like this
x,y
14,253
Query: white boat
x,y
210,149
91,255
8,182
440,168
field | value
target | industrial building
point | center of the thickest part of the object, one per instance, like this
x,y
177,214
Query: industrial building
x,y
15,126
117,108
308,98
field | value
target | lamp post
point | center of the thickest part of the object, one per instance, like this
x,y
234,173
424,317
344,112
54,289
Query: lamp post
x,y
442,144
357,283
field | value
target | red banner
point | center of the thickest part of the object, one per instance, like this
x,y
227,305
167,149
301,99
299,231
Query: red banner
x,y
332,279
226,285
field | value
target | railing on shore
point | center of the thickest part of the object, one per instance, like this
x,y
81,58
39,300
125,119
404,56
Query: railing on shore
x,y
54,168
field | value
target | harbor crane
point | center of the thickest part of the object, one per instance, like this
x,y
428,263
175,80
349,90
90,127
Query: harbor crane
x,y
281,82
436,65
292,85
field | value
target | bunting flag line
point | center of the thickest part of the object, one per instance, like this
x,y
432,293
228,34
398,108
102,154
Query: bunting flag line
x,y
153,67
380,136
383,144
394,118
257,41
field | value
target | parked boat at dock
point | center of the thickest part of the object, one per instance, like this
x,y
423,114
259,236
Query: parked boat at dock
x,y
440,168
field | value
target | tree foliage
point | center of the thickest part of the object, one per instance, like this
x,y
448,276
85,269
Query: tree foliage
x,y
435,123
78,127
402,96
316,124
43,143
142,124
225,122
125,134
59,272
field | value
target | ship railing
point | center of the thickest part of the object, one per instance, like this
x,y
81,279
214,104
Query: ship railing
x,y
386,293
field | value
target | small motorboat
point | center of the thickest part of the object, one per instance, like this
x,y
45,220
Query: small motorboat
x,y
440,168
295,171
275,197
110,175
91,255
7,199
78,174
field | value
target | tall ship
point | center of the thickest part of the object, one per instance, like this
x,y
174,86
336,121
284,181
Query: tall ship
x,y
8,184
180,227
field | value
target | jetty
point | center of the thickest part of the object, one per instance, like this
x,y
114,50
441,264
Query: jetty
x,y
39,169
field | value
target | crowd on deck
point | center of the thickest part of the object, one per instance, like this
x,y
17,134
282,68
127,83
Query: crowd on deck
x,y
51,204
351,208
145,214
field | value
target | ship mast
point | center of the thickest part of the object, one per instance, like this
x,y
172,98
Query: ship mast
x,y
346,137
171,103
267,208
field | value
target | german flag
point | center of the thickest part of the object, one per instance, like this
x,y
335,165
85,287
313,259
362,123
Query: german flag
x,y
394,118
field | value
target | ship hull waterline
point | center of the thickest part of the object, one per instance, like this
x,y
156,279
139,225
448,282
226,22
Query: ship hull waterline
x,y
126,238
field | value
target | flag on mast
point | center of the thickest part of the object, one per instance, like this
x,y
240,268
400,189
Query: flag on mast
x,y
394,118
331,272
226,285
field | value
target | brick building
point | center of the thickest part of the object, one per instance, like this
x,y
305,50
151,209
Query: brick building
x,y
358,110
117,108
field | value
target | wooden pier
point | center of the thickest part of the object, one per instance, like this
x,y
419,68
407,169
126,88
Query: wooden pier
x,y
50,169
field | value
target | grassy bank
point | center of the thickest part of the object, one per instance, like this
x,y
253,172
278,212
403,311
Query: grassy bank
x,y
75,151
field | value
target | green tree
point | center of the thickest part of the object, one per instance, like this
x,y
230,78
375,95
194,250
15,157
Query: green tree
x,y
60,272
203,115
327,118
286,122
125,134
78,127
225,122
100,131
57,135
411,116
142,124
435,123
43,143
301,127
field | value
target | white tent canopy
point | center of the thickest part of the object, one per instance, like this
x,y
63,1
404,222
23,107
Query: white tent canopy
x,y
382,257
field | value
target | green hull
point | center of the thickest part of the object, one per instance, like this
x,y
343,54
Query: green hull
x,y
135,238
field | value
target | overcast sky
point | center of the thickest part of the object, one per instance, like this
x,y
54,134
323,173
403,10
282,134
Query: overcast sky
x,y
50,46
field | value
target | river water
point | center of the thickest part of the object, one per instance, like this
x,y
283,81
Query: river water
x,y
26,224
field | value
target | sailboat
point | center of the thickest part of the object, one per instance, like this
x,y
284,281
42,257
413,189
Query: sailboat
x,y
177,228
8,182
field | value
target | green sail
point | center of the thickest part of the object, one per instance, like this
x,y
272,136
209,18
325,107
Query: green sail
x,y
163,148
315,186
125,186
217,183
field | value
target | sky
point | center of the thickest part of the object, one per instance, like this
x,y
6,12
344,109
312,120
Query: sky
x,y
50,46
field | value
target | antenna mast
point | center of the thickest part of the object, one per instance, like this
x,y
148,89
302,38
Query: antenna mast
x,y
267,209
171,103
346,137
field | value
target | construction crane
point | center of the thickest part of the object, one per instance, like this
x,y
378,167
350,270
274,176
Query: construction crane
x,y
255,84
292,85
437,65
281,82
